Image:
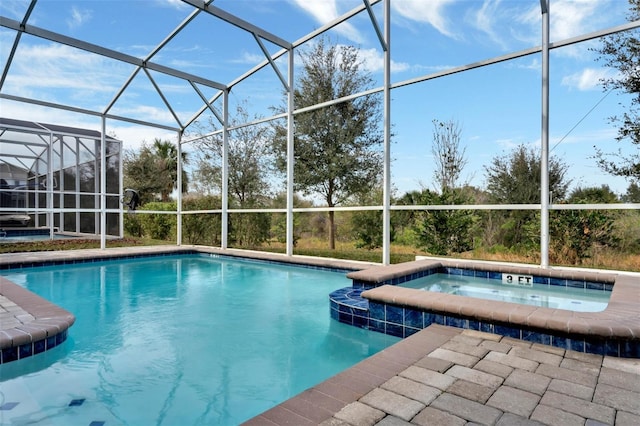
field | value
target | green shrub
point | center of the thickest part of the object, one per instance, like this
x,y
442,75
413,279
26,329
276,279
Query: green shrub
x,y
202,228
157,225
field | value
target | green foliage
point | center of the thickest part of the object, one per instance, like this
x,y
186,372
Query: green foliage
x,y
301,221
249,229
367,228
367,224
442,232
621,52
577,233
338,148
627,231
406,236
632,195
248,157
152,171
157,225
279,229
514,178
202,228
600,195
133,225
166,155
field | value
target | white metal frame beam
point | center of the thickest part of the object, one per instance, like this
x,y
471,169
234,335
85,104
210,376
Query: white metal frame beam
x,y
240,23
103,51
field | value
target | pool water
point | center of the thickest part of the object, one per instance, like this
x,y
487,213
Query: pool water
x,y
186,339
548,296
32,237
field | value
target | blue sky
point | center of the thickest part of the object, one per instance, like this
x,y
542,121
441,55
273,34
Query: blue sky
x,y
498,107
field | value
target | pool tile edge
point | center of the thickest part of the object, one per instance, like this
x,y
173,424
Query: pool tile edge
x,y
44,328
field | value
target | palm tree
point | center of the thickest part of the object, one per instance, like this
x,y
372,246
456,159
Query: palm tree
x,y
167,164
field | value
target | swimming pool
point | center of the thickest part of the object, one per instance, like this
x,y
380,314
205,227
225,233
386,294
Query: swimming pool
x,y
29,238
30,234
181,339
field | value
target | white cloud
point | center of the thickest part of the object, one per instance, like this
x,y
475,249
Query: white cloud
x,y
587,79
39,67
249,58
567,18
78,17
530,63
485,19
133,137
14,9
325,11
431,12
175,4
373,61
571,17
147,113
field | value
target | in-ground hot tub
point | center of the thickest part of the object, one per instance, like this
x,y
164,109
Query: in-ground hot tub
x,y
376,301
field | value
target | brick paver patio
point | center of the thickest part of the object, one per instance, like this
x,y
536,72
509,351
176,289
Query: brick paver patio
x,y
447,376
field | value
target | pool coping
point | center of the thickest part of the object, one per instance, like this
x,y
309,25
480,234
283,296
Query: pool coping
x,y
39,324
29,259
619,320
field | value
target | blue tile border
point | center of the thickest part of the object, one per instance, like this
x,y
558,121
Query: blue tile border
x,y
479,273
349,307
26,350
185,252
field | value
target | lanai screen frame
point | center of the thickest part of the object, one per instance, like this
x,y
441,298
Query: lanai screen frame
x,y
383,33
50,145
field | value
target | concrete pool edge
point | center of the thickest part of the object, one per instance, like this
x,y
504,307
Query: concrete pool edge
x,y
29,259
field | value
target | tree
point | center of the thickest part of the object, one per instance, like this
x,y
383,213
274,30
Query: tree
x,y
515,179
445,231
577,233
621,51
338,147
249,173
153,170
167,158
248,158
442,232
301,221
448,156
632,195
595,194
202,228
367,224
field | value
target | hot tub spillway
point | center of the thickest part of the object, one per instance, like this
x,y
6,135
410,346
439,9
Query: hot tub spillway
x,y
349,307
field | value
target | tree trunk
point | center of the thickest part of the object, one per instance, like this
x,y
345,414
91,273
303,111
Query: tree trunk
x,y
332,231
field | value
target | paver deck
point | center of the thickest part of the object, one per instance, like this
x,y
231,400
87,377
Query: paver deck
x,y
448,376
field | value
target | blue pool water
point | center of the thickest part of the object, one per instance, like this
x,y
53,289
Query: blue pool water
x,y
549,296
29,234
32,237
186,339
